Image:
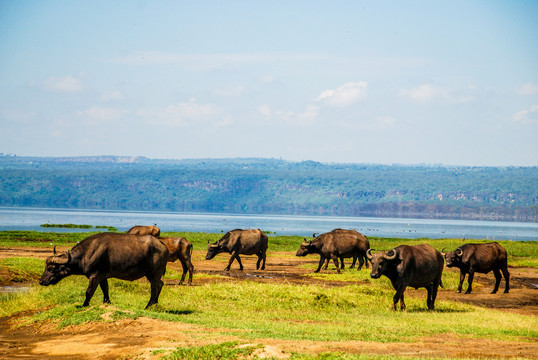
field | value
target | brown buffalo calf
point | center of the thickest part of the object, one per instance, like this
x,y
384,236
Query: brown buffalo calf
x,y
180,249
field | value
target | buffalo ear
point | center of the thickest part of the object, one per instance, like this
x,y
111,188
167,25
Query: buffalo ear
x,y
390,255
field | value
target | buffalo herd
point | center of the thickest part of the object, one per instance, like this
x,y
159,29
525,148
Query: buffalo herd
x,y
141,252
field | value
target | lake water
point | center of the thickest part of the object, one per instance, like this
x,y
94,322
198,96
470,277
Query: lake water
x,y
31,219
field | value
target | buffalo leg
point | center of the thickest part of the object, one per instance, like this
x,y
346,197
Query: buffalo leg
x,y
462,278
470,281
353,262
92,286
321,261
335,259
187,266
261,257
104,287
341,261
498,278
263,260
239,261
361,261
432,294
234,256
326,264
398,297
156,287
506,279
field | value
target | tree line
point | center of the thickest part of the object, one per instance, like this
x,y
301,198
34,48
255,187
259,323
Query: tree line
x,y
271,186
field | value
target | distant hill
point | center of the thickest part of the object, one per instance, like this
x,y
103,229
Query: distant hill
x,y
254,185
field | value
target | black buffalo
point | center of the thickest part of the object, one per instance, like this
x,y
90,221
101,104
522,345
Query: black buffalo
x,y
480,258
109,255
145,230
337,244
244,242
416,266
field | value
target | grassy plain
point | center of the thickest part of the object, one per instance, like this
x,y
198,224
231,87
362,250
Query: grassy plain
x,y
358,310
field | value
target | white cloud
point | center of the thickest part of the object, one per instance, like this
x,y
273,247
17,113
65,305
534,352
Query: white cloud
x,y
67,84
265,110
422,93
345,95
307,117
527,89
182,114
267,78
101,113
526,117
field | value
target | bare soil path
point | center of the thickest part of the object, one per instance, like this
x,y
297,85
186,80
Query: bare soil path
x,y
136,339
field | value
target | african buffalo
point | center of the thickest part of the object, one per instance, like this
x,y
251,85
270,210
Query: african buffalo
x,y
337,244
244,242
145,230
416,266
480,258
180,248
108,255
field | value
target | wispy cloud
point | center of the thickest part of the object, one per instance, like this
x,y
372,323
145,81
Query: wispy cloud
x,y
68,84
528,89
101,113
527,117
111,96
182,114
426,93
304,118
344,95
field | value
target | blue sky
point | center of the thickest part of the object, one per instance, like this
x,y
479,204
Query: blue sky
x,y
408,82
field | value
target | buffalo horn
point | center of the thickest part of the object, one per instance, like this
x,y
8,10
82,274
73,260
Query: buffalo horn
x,y
59,261
390,255
459,252
314,235
54,251
369,254
443,251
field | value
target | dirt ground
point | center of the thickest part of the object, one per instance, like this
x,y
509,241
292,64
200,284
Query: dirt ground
x,y
136,339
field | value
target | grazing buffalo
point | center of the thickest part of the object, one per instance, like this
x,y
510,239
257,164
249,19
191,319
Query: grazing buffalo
x,y
244,242
337,244
145,230
109,255
416,266
180,249
480,258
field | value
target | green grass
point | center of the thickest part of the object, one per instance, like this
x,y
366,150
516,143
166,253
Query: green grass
x,y
20,270
360,309
254,310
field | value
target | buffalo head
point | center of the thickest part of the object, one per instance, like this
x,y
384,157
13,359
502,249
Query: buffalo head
x,y
305,248
381,262
453,258
56,268
213,250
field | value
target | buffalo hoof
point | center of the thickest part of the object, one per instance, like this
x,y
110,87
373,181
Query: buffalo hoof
x,y
458,292
494,292
506,291
468,292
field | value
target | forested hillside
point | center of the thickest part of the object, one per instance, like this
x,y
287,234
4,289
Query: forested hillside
x,y
270,186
